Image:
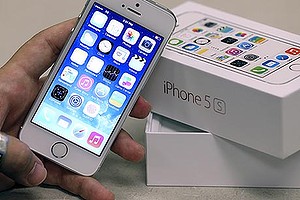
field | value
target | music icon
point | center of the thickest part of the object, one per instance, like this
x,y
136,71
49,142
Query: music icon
x,y
95,139
85,83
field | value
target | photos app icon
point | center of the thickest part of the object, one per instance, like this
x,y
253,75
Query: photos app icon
x,y
131,36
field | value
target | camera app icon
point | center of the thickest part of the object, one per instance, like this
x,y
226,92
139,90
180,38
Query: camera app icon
x,y
147,44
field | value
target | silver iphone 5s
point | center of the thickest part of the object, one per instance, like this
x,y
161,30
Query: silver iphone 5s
x,y
96,81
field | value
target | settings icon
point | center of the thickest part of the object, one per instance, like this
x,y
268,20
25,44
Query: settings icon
x,y
75,100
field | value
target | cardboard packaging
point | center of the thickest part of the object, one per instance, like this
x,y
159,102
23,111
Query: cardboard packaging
x,y
243,85
179,155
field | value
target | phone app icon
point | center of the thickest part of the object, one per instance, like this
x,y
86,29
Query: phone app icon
x,y
259,70
245,45
88,38
257,39
79,56
251,57
117,99
282,57
91,109
137,63
79,131
105,46
95,139
95,64
147,44
64,122
239,63
225,29
101,90
131,36
69,74
234,51
202,41
270,63
229,40
210,24
59,92
114,28
48,114
197,30
98,19
175,42
76,100
111,72
121,54
293,51
127,81
190,47
85,83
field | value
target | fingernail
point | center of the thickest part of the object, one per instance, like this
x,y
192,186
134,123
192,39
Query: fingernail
x,y
37,175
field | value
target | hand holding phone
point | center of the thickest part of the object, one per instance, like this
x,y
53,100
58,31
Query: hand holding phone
x,y
20,83
96,81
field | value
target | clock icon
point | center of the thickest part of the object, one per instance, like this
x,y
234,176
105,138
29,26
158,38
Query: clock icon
x,y
105,46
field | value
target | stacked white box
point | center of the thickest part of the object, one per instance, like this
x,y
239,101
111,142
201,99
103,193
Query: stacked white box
x,y
178,155
258,114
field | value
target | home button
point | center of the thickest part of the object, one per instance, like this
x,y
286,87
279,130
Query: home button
x,y
295,67
59,150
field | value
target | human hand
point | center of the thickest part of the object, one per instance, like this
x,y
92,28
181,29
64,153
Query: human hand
x,y
20,82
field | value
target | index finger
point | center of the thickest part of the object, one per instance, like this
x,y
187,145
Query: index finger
x,y
39,53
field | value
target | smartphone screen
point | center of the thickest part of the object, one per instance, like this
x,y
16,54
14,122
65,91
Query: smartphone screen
x,y
96,79
232,46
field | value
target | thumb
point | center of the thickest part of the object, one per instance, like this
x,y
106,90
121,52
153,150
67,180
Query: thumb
x,y
19,163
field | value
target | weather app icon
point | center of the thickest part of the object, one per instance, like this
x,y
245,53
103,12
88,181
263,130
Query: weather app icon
x,y
89,38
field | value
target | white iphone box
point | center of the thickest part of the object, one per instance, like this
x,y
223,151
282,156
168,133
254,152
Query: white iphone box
x,y
233,77
96,81
180,155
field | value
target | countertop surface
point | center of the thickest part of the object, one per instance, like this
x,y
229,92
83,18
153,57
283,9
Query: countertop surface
x,y
20,20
